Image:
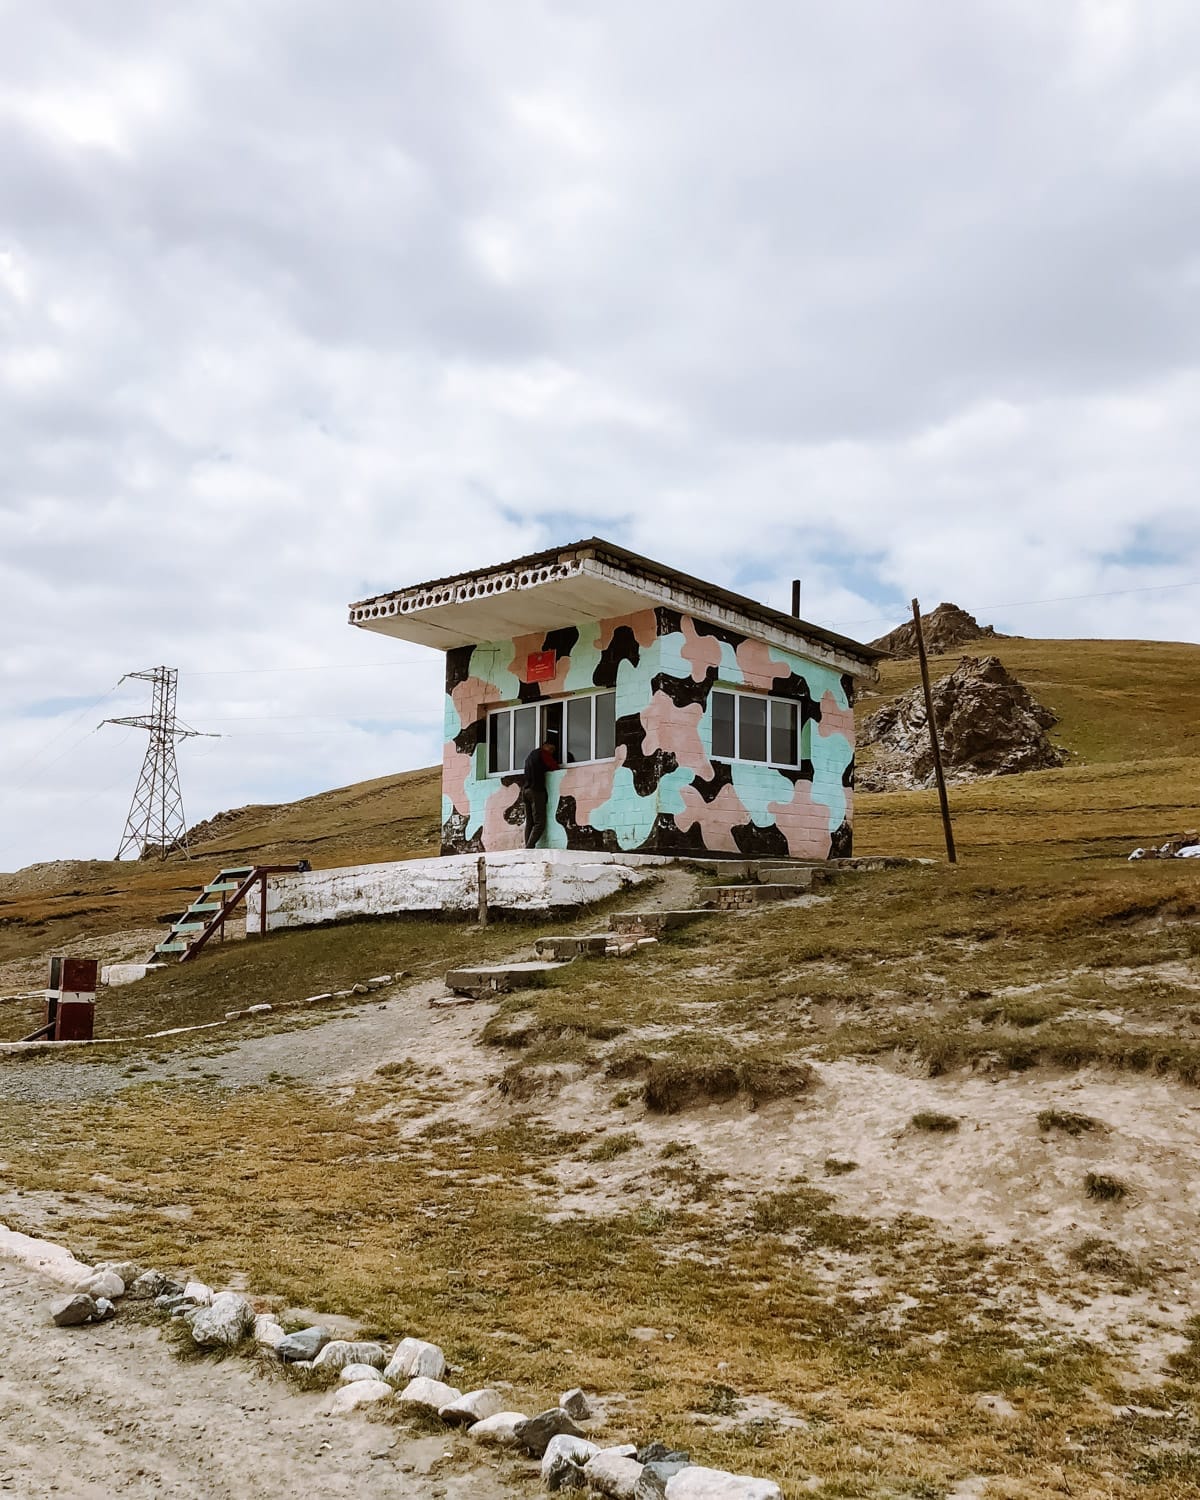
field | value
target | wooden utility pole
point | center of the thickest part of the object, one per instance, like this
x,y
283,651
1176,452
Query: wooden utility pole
x,y
481,866
933,736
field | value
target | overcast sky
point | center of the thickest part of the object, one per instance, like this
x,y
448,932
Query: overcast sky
x,y
301,302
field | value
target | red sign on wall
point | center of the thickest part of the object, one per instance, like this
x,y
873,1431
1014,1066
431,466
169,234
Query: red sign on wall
x,y
540,666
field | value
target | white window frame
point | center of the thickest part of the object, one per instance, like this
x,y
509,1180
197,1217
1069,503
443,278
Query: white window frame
x,y
779,765
541,705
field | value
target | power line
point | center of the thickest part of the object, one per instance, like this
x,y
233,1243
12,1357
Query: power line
x,y
70,724
1150,588
333,666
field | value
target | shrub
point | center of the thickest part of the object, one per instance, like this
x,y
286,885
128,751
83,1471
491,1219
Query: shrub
x,y
673,1083
1106,1259
1067,1121
613,1146
931,1120
1104,1188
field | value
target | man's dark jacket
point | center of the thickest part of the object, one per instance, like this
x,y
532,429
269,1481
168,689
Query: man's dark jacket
x,y
535,771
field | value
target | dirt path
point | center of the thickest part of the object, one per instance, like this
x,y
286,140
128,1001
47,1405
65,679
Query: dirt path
x,y
348,1045
89,1413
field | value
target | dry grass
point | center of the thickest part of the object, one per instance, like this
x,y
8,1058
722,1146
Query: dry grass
x,y
392,817
934,1123
1103,1258
453,1238
288,966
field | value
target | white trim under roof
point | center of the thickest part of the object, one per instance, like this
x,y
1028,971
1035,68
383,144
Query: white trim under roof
x,y
588,582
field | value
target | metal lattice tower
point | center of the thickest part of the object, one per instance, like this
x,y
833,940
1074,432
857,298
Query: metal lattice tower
x,y
156,822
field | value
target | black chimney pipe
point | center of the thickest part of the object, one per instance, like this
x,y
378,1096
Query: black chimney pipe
x,y
796,597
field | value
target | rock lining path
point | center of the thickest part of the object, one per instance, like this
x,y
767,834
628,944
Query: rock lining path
x,y
107,1410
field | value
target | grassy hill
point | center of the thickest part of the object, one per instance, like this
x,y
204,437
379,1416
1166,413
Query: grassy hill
x,y
898,1184
1129,715
1129,718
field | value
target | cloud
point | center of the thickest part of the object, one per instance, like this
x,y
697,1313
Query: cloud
x,y
298,305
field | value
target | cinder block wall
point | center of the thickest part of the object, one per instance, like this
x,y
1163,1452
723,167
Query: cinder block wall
x,y
662,793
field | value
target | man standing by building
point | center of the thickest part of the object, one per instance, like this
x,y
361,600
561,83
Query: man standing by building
x,y
541,758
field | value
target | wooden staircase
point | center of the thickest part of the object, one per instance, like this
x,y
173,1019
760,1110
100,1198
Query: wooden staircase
x,y
212,908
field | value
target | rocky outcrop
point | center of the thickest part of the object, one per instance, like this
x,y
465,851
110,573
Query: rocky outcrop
x,y
989,724
945,629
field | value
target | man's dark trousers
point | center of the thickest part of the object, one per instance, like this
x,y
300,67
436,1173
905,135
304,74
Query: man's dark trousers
x,y
533,799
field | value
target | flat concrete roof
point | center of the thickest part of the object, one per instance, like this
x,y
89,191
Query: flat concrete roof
x,y
588,580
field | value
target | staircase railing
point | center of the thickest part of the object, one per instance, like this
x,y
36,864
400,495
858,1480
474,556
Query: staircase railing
x,y
219,898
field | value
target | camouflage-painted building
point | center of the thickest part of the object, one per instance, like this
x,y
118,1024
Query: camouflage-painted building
x,y
690,720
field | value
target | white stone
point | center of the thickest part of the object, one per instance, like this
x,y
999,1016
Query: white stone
x,y
415,1357
197,1292
351,1373
339,1353
999,1407
564,1456
114,975
499,1429
358,1393
224,1322
614,1474
267,1331
101,1284
696,1483
258,1010
127,1270
474,1407
517,880
51,1261
428,1395
105,1309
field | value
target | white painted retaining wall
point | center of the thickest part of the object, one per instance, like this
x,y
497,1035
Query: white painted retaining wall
x,y
517,881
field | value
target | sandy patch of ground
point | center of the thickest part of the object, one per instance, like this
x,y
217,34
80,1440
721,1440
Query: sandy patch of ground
x,y
999,1178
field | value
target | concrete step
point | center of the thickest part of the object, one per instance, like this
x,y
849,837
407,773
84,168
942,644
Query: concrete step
x,y
562,948
736,897
652,923
804,877
498,979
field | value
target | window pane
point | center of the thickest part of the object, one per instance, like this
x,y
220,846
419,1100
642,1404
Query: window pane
x,y
783,733
524,734
752,728
722,725
606,725
500,743
552,727
579,729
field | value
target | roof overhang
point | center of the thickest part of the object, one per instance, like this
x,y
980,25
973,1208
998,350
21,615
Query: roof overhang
x,y
593,580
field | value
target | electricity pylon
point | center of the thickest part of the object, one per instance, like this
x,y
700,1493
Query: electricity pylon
x,y
156,820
